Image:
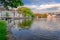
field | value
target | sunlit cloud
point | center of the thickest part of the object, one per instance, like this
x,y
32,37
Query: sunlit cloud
x,y
48,6
30,6
43,2
44,7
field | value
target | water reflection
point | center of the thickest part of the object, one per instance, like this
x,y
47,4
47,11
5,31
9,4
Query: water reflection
x,y
25,24
40,29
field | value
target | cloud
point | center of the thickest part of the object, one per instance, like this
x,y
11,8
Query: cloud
x,y
44,7
37,2
30,6
48,6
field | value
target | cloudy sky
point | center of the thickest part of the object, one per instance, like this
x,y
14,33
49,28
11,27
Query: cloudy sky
x,y
43,5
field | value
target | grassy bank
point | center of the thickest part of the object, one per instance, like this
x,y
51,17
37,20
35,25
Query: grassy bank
x,y
3,32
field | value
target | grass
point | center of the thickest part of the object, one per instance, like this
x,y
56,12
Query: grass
x,y
3,32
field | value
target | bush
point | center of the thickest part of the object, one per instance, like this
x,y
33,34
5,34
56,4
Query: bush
x,y
3,30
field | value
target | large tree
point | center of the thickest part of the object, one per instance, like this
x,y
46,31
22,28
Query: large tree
x,y
11,3
25,11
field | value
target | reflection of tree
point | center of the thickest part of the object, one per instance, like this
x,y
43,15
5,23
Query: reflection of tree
x,y
25,24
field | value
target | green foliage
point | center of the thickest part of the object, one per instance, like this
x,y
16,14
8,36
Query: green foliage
x,y
25,11
43,15
3,32
39,16
11,3
25,24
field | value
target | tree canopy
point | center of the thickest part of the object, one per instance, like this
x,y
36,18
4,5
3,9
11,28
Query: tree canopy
x,y
11,3
25,11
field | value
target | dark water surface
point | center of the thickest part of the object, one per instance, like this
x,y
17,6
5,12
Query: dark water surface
x,y
37,29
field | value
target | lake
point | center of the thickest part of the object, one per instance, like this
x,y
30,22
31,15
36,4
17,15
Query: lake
x,y
35,29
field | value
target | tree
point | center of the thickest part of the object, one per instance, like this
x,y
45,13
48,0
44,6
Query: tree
x,y
25,11
11,3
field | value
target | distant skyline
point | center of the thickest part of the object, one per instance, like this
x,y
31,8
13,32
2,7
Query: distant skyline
x,y
43,5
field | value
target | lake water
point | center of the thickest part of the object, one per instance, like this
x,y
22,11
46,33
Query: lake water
x,y
36,29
